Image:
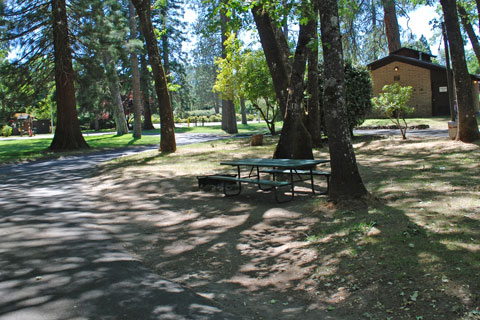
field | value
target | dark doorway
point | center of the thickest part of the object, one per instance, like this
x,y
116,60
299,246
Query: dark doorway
x,y
440,105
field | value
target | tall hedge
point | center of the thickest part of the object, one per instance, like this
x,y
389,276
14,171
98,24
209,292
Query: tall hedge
x,y
358,91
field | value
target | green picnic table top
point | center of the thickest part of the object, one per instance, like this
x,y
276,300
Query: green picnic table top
x,y
276,163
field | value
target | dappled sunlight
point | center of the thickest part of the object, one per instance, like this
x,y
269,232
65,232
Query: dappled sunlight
x,y
412,253
60,259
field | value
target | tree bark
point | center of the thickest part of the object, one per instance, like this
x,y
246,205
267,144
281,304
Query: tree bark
x,y
345,182
217,103
467,121
167,125
147,109
478,11
391,25
295,141
137,94
229,119
113,86
68,135
164,39
243,111
277,52
313,106
469,29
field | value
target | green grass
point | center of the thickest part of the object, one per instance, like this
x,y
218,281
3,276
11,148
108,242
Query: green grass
x,y
33,148
252,127
433,122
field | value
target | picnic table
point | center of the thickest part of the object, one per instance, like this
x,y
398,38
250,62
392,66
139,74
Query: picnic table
x,y
294,169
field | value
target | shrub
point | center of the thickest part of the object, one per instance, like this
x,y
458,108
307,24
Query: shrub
x,y
392,102
358,94
7,131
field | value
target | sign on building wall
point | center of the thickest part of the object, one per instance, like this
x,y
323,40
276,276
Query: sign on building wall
x,y
442,89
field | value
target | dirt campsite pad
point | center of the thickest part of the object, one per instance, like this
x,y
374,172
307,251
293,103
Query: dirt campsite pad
x,y
412,253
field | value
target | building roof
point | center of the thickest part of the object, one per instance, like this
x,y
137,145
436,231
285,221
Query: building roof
x,y
413,53
394,57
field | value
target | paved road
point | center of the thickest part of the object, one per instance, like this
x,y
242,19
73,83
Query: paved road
x,y
57,263
437,133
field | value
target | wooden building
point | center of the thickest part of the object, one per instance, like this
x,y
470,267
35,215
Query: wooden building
x,y
414,68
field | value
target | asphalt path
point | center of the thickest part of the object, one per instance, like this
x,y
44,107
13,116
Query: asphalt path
x,y
57,262
434,133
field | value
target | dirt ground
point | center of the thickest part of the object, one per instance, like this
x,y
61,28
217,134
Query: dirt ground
x,y
258,259
246,252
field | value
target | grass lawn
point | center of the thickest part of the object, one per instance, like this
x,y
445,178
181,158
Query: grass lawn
x,y
412,253
32,149
433,122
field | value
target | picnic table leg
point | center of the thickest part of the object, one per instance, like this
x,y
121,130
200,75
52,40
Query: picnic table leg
x,y
291,181
293,194
239,186
311,180
328,185
258,178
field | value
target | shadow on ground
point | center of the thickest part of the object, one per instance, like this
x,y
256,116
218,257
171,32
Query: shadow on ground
x,y
59,263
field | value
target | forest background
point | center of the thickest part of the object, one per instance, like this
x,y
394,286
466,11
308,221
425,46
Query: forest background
x,y
189,35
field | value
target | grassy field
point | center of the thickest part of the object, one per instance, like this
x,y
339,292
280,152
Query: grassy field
x,y
434,122
36,148
412,253
31,149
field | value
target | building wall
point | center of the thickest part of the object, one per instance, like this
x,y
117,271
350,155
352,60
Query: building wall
x,y
407,75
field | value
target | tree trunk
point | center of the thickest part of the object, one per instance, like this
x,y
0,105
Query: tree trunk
x,y
96,124
217,103
467,121
285,21
469,29
229,119
478,11
167,124
243,111
295,141
277,52
345,182
113,85
68,135
164,39
137,94
391,25
313,106
147,109
373,7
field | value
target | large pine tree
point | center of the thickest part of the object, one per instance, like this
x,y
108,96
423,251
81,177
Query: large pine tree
x,y
167,125
68,135
467,120
29,26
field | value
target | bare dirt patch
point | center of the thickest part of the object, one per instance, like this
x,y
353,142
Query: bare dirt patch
x,y
410,255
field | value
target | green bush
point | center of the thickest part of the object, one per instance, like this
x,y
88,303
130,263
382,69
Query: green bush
x,y
6,131
358,94
392,103
215,118
200,113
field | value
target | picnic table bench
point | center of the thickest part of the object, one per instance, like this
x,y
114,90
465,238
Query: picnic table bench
x,y
292,167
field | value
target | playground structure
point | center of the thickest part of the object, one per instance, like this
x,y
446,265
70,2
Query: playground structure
x,y
23,124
